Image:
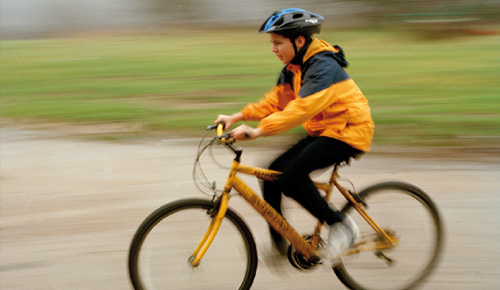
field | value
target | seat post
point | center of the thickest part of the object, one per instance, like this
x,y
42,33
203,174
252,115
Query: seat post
x,y
334,173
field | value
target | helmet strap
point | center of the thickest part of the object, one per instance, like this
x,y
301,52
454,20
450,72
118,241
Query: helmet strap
x,y
308,40
292,39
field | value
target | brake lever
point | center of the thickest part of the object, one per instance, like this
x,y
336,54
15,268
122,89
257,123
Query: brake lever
x,y
211,127
224,136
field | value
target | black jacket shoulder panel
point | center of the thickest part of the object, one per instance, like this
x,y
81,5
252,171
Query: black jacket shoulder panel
x,y
286,77
320,72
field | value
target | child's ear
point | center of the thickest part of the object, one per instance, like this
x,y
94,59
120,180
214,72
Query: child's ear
x,y
300,41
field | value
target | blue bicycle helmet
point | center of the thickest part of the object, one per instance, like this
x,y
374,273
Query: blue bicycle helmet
x,y
293,21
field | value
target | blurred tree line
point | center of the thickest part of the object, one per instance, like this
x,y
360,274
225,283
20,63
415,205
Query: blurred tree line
x,y
433,18
360,12
35,18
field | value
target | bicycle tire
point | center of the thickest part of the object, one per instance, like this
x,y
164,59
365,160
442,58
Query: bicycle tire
x,y
155,233
385,206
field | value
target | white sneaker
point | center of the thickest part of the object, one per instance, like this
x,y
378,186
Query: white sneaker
x,y
341,237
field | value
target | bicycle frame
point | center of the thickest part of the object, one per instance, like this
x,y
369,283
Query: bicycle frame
x,y
302,245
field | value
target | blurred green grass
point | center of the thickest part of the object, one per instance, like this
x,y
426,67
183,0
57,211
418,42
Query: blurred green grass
x,y
440,92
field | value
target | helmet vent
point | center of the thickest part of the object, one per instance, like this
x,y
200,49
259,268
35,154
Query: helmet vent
x,y
279,22
295,16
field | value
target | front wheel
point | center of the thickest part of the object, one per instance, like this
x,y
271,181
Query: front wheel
x,y
163,243
407,213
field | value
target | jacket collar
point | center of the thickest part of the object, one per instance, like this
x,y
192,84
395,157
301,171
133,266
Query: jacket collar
x,y
315,46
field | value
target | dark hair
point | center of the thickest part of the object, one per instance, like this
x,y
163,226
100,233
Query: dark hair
x,y
293,34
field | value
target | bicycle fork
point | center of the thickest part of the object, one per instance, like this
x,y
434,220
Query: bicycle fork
x,y
219,209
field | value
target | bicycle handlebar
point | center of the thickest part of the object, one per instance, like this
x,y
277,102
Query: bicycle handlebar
x,y
211,127
225,138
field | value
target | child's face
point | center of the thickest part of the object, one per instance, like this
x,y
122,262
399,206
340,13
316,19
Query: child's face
x,y
282,47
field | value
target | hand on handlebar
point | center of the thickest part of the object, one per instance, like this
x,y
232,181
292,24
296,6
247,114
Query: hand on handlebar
x,y
228,120
245,132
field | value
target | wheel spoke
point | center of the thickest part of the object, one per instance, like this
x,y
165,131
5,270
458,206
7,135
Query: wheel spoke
x,y
161,252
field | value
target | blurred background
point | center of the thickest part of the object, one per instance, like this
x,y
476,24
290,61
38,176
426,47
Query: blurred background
x,y
48,18
429,68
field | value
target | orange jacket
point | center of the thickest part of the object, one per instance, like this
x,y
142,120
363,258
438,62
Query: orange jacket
x,y
317,93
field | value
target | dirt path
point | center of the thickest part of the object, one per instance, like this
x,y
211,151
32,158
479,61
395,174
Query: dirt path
x,y
69,208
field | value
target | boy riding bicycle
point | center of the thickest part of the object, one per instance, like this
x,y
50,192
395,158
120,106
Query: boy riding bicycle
x,y
313,90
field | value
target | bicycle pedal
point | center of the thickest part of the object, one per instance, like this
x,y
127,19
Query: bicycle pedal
x,y
300,262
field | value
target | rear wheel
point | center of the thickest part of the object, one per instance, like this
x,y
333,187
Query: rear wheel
x,y
163,243
406,212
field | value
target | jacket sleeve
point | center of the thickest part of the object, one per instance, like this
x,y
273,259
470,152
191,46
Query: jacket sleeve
x,y
297,112
274,101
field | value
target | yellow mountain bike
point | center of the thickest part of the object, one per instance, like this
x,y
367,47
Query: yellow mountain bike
x,y
204,244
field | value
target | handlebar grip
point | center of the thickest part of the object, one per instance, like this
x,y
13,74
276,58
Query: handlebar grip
x,y
224,138
211,127
220,131
220,128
